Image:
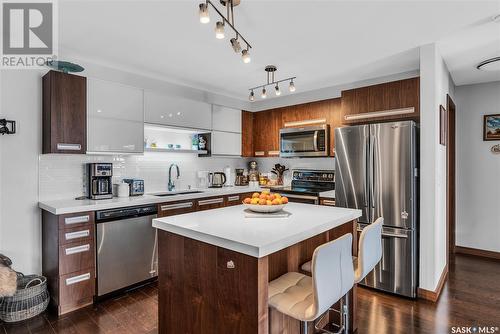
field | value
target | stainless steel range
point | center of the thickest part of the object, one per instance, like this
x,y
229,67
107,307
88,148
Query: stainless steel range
x,y
307,184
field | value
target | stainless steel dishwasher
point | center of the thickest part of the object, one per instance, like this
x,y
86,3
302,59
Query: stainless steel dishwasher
x,y
126,245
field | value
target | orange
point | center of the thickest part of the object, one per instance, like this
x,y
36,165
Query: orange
x,y
255,195
268,202
262,202
247,200
254,201
263,196
284,200
276,201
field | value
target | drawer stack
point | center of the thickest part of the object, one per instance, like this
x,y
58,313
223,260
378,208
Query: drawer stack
x,y
68,259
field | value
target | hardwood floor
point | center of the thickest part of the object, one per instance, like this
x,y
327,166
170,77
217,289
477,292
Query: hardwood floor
x,y
470,297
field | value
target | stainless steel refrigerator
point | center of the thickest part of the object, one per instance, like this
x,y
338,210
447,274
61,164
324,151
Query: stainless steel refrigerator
x,y
376,171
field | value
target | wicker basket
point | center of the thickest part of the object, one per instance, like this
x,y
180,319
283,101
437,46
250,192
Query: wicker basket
x,y
31,299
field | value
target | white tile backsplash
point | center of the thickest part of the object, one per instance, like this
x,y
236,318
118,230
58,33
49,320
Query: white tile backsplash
x,y
64,176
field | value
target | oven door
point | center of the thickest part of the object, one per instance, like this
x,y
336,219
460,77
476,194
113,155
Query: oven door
x,y
304,142
307,199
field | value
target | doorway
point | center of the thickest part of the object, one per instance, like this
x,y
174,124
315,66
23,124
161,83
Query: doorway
x,y
450,176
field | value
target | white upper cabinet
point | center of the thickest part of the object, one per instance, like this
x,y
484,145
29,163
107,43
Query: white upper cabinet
x,y
177,111
226,119
226,143
115,117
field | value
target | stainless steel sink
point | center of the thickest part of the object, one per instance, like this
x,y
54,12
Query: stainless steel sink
x,y
177,193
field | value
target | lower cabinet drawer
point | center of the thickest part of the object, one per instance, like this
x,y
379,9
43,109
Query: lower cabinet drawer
x,y
76,257
234,199
78,234
210,203
76,290
175,208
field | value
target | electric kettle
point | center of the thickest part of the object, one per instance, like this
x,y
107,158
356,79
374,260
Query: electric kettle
x,y
216,180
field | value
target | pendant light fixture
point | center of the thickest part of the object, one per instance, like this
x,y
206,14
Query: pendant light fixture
x,y
220,25
270,69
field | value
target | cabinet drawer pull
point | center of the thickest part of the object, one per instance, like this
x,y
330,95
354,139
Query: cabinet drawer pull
x,y
233,198
259,153
69,147
273,152
76,220
77,249
176,206
77,279
211,201
328,202
77,235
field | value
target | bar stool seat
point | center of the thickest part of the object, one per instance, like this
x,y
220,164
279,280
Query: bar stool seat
x,y
292,294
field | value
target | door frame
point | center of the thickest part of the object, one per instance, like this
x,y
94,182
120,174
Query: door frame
x,y
450,176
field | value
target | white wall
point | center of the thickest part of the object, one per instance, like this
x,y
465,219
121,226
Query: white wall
x,y
19,216
478,170
435,83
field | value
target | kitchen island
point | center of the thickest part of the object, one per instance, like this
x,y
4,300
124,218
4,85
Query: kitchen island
x,y
214,268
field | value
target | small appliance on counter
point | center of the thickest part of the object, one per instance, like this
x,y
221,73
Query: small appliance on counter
x,y
229,178
136,186
216,180
241,179
202,178
100,184
253,174
121,190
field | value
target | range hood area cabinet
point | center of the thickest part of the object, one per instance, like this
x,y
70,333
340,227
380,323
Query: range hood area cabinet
x,y
64,113
164,109
360,102
115,118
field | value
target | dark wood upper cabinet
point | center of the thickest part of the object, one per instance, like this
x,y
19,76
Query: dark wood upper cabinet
x,y
64,113
247,147
382,97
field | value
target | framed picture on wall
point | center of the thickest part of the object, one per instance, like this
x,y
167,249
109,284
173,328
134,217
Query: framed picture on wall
x,y
443,125
491,127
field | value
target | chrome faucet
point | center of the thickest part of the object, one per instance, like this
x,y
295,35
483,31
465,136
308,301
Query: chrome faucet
x,y
171,185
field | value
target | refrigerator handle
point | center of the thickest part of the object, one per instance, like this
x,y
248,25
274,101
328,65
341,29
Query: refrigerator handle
x,y
367,164
371,164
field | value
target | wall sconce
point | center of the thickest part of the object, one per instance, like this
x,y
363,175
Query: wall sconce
x,y
7,127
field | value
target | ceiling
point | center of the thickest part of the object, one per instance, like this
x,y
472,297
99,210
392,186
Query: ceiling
x,y
323,43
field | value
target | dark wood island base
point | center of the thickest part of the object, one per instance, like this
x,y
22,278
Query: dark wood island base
x,y
212,290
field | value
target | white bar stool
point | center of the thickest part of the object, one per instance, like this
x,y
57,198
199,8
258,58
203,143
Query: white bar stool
x,y
369,254
306,298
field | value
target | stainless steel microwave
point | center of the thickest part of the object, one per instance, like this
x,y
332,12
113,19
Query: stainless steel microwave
x,y
311,141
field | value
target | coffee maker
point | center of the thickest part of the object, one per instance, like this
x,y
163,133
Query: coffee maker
x,y
100,182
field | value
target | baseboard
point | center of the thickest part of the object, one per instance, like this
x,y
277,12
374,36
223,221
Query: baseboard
x,y
477,252
433,296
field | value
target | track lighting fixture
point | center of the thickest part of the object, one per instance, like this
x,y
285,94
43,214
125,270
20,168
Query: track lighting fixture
x,y
219,30
270,69
264,93
220,25
236,44
245,55
204,17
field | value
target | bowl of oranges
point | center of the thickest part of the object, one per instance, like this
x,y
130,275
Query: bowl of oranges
x,y
265,202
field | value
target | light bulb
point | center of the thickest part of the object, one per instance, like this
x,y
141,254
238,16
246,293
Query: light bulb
x,y
252,96
204,17
264,93
291,87
219,30
277,90
236,45
245,55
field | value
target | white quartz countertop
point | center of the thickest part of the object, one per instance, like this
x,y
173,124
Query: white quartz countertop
x,y
258,237
59,207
